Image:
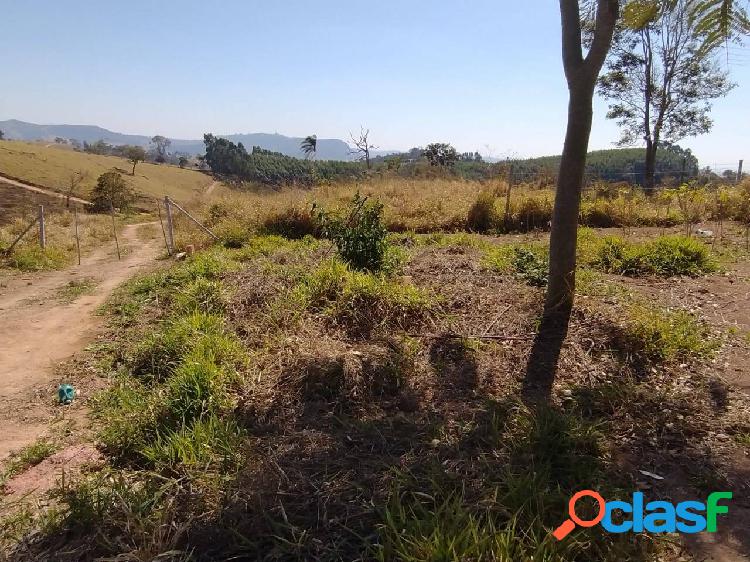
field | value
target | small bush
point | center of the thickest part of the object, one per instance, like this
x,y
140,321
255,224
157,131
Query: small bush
x,y
360,236
531,265
666,256
232,234
483,214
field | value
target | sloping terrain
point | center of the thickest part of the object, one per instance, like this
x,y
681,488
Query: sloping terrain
x,y
52,166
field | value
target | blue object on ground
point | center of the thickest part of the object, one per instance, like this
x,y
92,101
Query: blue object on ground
x,y
66,393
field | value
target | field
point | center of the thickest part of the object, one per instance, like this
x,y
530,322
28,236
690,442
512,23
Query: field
x,y
52,166
317,386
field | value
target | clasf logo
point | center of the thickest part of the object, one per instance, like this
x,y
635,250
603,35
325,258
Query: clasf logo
x,y
654,517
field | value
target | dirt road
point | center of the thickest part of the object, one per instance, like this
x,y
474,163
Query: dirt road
x,y
44,322
36,189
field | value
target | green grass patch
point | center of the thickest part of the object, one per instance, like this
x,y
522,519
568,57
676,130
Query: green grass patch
x,y
662,335
665,256
74,289
27,457
33,258
358,298
531,462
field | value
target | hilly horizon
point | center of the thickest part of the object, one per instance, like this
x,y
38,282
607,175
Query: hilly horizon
x,y
328,149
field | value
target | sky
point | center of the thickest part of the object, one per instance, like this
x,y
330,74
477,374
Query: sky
x,y
484,75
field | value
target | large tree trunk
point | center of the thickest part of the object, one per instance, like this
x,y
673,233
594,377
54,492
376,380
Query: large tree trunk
x,y
581,74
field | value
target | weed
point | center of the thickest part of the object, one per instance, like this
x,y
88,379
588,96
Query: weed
x,y
201,295
33,258
159,353
662,335
531,265
203,444
26,458
293,222
74,289
198,388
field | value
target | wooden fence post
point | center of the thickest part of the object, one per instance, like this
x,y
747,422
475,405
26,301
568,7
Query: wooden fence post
x,y
170,227
42,231
78,240
164,232
114,228
506,219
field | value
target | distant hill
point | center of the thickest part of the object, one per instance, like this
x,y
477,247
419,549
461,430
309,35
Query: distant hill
x,y
328,149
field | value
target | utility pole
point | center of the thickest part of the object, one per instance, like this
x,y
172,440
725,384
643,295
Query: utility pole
x,y
739,172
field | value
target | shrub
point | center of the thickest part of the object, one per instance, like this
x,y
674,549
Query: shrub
x,y
360,236
111,190
483,214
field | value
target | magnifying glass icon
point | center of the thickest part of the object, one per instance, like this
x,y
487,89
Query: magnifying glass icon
x,y
569,524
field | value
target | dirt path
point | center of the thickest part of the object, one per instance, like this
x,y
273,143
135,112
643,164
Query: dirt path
x,y
43,324
36,189
210,188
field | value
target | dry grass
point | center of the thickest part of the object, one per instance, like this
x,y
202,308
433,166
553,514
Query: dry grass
x,y
451,205
52,167
94,230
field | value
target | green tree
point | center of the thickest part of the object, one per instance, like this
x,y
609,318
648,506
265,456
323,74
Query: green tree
x,y
440,154
183,162
2,135
660,80
161,145
134,154
112,191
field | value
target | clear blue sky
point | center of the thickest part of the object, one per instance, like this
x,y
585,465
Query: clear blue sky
x,y
484,75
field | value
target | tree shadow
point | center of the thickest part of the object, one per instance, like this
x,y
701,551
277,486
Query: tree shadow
x,y
541,367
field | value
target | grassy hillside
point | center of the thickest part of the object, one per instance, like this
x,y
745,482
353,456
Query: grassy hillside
x,y
51,166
